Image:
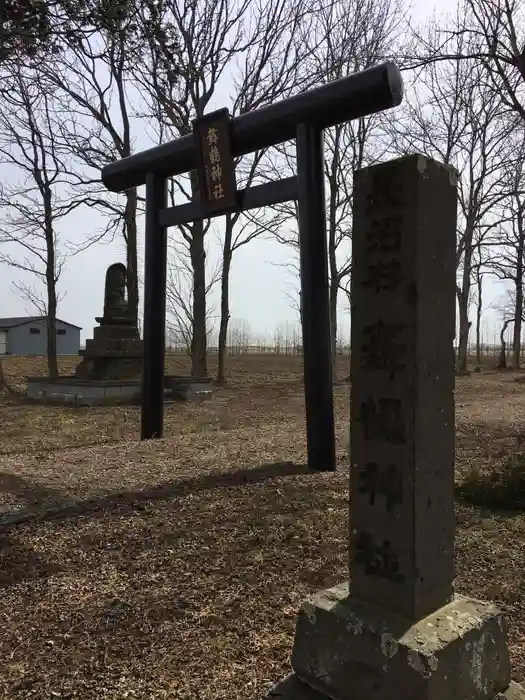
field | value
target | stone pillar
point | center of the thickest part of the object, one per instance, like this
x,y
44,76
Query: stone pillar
x,y
398,631
402,392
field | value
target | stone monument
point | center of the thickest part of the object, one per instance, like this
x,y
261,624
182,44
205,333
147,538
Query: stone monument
x,y
116,350
398,631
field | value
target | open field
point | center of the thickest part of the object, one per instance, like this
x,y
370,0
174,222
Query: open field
x,y
174,569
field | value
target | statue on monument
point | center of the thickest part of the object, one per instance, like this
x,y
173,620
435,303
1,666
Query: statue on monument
x,y
116,350
116,306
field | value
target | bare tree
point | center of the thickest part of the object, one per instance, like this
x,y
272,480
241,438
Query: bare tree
x,y
30,197
356,38
194,48
502,362
495,35
91,78
500,27
238,231
508,243
270,69
189,46
456,118
25,26
345,37
32,31
506,306
179,296
239,336
479,271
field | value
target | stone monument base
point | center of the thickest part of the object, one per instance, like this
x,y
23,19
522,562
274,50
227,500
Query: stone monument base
x,y
291,688
73,391
107,357
183,388
76,391
348,650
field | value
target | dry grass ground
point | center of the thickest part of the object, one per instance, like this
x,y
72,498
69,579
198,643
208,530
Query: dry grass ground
x,y
175,569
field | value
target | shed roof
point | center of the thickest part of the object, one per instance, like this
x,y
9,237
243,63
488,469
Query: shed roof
x,y
13,321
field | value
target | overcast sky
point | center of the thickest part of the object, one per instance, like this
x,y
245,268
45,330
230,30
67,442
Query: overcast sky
x,y
260,286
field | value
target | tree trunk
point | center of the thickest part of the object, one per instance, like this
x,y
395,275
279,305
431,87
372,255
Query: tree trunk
x,y
225,299
333,194
502,364
52,361
198,340
334,276
518,311
518,315
478,319
464,327
463,294
334,289
199,366
130,223
51,318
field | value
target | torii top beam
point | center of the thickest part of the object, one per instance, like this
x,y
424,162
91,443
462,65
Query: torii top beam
x,y
358,95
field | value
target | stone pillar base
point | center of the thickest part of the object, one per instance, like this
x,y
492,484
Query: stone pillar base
x,y
348,650
291,688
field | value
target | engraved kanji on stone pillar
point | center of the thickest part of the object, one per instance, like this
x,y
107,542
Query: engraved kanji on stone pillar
x,y
402,401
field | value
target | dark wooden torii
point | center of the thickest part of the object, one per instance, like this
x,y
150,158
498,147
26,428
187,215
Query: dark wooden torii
x,y
303,118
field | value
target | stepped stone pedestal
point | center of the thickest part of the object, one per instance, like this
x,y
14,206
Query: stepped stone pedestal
x,y
116,350
111,366
399,632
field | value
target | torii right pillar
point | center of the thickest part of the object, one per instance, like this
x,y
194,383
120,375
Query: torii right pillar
x,y
398,631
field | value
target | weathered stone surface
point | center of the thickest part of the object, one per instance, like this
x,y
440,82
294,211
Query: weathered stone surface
x,y
121,331
122,347
291,688
188,388
109,367
352,650
515,691
115,304
402,392
77,392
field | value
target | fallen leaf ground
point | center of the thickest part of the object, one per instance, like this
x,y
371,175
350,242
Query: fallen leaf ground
x,y
174,569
